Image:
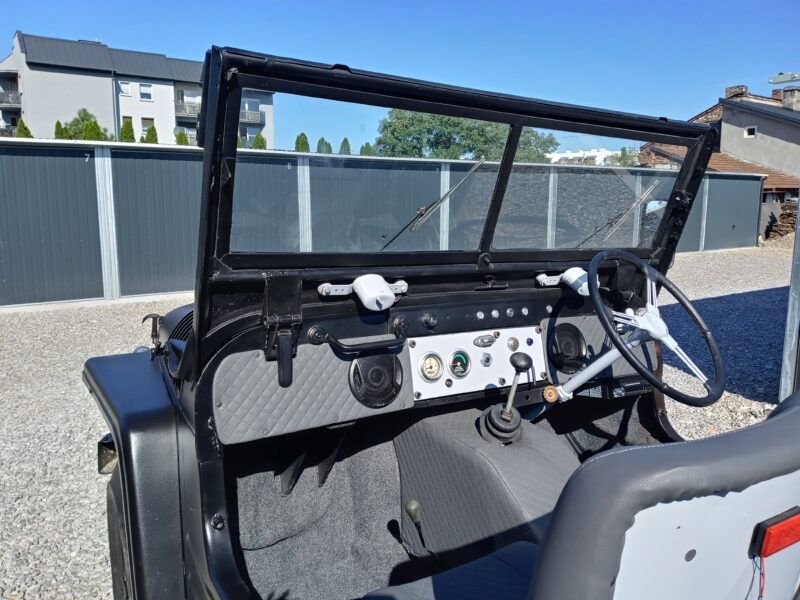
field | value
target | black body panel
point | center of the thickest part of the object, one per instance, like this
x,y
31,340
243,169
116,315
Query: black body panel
x,y
132,395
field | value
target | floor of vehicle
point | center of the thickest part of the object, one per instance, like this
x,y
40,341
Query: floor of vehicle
x,y
342,539
333,541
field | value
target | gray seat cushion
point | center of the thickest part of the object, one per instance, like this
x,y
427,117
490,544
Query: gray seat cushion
x,y
505,574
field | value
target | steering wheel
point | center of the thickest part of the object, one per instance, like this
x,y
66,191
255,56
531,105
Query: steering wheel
x,y
646,324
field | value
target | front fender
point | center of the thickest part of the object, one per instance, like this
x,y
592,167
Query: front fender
x,y
132,395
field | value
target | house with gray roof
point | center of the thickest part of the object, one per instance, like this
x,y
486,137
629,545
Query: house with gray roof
x,y
45,80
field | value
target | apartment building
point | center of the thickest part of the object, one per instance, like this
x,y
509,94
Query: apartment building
x,y
45,80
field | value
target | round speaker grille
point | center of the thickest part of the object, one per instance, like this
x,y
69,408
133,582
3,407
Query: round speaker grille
x,y
567,348
376,380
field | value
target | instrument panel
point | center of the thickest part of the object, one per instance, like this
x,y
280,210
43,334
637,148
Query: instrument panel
x,y
461,363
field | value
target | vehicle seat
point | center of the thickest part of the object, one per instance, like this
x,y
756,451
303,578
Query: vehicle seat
x,y
680,515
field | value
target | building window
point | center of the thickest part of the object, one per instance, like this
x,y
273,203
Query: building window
x,y
124,88
750,132
147,124
189,96
251,104
145,91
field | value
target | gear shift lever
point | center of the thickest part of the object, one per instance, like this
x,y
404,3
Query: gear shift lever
x,y
522,363
502,423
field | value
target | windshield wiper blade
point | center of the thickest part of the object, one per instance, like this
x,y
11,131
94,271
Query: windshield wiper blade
x,y
613,224
424,212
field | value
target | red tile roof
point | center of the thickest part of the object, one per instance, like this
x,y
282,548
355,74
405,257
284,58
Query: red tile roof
x,y
653,154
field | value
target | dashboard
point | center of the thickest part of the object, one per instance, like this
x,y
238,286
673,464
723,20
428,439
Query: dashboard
x,y
451,349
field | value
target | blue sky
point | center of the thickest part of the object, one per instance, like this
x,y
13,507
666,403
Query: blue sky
x,y
670,59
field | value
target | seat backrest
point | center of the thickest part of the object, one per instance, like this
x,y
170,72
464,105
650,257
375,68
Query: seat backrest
x,y
676,520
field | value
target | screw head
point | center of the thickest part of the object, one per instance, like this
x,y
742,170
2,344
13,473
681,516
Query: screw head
x,y
218,522
496,334
502,381
448,382
538,329
412,343
417,395
542,375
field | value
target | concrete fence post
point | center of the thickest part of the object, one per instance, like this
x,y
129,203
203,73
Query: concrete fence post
x,y
304,202
444,209
107,222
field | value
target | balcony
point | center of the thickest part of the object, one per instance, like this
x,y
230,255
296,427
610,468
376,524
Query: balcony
x,y
187,109
10,100
8,132
255,117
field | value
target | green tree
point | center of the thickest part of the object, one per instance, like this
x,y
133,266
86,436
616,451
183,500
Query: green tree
x,y
324,147
627,157
239,142
141,139
151,137
259,143
126,133
59,132
366,149
419,135
75,127
344,147
92,131
181,138
22,130
301,143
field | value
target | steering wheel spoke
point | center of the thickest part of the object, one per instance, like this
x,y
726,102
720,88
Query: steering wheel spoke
x,y
624,318
652,293
673,345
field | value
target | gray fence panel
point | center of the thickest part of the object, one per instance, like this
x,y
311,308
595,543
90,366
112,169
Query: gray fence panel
x,y
49,234
734,209
265,210
157,212
385,195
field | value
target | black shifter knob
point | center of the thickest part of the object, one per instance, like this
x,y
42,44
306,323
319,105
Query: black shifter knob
x,y
521,362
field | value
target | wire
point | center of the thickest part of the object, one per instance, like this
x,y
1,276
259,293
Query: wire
x,y
763,579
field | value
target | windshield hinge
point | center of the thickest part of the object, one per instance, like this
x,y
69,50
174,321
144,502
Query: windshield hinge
x,y
282,317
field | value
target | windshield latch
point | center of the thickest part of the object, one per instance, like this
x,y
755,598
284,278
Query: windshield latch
x,y
282,317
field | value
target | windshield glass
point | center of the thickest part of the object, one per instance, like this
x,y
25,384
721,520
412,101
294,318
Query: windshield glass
x,y
334,177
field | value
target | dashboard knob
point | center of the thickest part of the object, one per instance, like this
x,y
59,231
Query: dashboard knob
x,y
521,362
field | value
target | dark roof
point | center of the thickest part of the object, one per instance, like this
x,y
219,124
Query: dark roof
x,y
99,57
765,110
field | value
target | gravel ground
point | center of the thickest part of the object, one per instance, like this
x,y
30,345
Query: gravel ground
x,y
52,501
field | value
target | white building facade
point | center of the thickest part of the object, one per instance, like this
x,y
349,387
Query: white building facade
x,y
45,80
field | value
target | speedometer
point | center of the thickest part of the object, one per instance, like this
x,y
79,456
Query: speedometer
x,y
431,367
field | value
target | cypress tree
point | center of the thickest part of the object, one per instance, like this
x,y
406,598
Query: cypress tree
x,y
181,138
344,148
367,149
59,133
301,143
92,131
126,132
259,143
22,130
322,146
152,135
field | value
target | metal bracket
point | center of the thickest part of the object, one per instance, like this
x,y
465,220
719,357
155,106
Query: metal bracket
x,y
155,322
282,316
345,289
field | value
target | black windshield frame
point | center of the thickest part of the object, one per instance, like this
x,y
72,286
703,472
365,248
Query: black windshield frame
x,y
227,71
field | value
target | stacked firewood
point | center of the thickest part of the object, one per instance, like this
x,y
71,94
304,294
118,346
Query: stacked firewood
x,y
787,221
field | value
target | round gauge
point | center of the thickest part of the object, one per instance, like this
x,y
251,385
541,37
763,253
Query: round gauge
x,y
431,367
459,363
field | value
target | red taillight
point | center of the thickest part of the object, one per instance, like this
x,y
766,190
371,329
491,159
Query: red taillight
x,y
776,534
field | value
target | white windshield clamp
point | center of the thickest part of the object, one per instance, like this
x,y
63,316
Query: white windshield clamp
x,y
373,291
576,278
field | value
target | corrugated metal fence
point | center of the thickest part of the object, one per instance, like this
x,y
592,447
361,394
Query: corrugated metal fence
x,y
102,220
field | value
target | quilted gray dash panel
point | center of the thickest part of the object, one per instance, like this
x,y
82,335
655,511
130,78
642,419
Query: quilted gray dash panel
x,y
250,405
598,343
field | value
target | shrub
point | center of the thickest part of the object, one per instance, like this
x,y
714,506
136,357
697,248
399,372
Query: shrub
x,y
152,135
22,130
323,147
367,149
301,144
92,131
126,132
181,138
344,148
259,143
